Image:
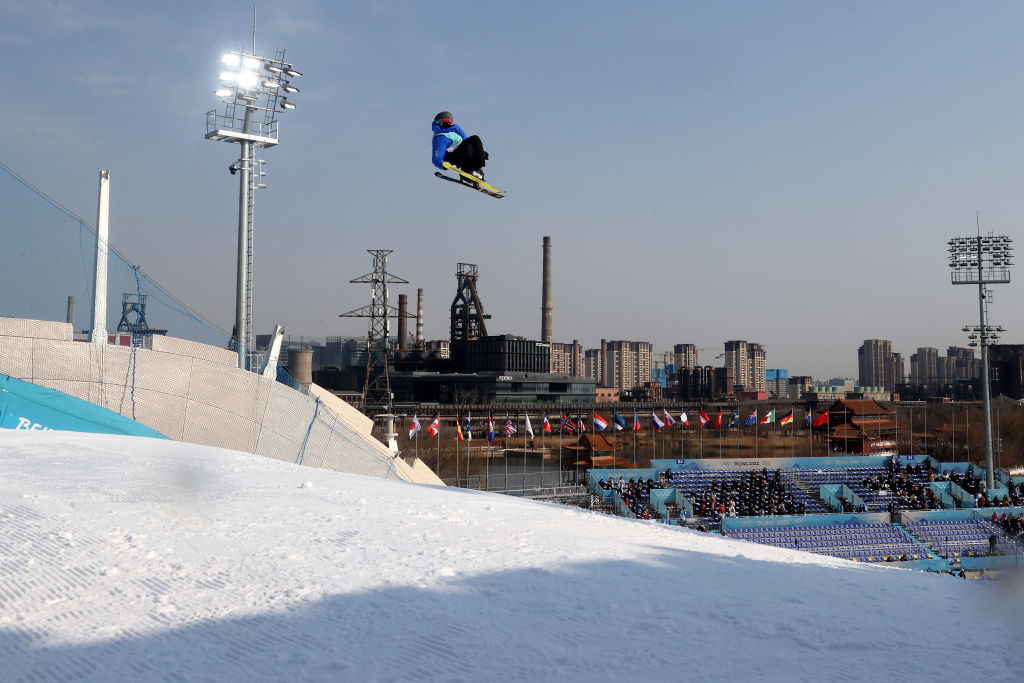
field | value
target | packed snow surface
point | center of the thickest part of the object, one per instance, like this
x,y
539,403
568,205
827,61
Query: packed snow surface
x,y
125,558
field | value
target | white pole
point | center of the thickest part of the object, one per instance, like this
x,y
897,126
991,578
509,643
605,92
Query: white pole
x,y
98,329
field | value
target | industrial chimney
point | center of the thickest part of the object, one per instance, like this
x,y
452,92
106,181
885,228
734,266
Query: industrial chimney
x,y
403,323
419,319
545,303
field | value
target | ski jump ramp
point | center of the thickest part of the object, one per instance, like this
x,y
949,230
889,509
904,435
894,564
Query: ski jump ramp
x,y
194,392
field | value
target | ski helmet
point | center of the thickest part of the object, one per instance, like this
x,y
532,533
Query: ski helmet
x,y
444,118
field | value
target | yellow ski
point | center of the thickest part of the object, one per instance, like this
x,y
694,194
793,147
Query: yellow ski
x,y
472,178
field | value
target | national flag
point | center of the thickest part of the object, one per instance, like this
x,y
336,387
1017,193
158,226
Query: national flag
x,y
529,427
768,418
752,419
787,419
547,425
568,426
414,427
620,422
579,423
490,429
600,424
469,429
510,427
656,423
685,420
821,419
734,421
435,426
807,420
718,420
458,429
636,423
703,417
668,419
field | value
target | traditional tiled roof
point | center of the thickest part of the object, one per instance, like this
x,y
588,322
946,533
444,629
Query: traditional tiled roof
x,y
859,406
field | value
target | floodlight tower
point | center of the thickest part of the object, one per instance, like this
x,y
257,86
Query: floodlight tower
x,y
254,89
982,260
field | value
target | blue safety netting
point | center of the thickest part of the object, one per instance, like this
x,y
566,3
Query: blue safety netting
x,y
49,254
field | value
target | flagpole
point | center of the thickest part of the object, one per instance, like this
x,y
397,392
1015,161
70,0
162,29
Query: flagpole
x,y
542,452
810,431
756,421
559,455
469,447
635,419
458,429
439,440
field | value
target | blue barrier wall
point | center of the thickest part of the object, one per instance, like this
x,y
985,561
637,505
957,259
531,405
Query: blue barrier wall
x,y
944,492
24,405
620,506
605,475
804,520
784,463
911,516
992,562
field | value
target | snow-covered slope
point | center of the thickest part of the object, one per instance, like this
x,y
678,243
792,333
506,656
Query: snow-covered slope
x,y
124,558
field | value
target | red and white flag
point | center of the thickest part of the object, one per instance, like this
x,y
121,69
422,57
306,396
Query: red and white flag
x,y
703,417
718,420
414,427
435,426
685,420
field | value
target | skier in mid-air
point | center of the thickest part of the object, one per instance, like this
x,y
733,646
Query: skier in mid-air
x,y
451,144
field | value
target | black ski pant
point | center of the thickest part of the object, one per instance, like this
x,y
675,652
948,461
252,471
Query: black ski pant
x,y
469,155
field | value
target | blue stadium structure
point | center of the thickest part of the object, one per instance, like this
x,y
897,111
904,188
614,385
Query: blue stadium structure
x,y
913,511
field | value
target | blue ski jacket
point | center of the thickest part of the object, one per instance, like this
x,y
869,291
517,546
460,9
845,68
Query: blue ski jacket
x,y
445,140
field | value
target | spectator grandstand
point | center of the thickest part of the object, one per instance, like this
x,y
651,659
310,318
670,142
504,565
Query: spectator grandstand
x,y
912,510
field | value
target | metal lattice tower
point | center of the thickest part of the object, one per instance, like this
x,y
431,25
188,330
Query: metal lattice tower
x,y
135,305
468,317
377,388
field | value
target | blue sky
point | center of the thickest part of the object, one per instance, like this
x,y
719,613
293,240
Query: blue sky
x,y
786,173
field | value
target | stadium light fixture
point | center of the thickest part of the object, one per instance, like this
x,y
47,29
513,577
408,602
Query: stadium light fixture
x,y
982,260
251,94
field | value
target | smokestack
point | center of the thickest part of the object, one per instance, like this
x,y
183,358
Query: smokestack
x,y
300,364
545,297
71,312
419,319
403,323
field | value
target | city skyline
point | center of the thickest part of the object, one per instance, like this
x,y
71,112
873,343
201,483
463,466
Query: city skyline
x,y
800,166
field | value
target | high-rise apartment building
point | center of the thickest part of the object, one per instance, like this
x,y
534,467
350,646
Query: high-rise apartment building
x,y
878,366
777,383
748,364
924,366
895,373
684,356
625,365
797,386
567,359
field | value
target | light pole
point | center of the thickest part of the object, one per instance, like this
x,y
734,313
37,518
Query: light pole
x,y
982,261
254,89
